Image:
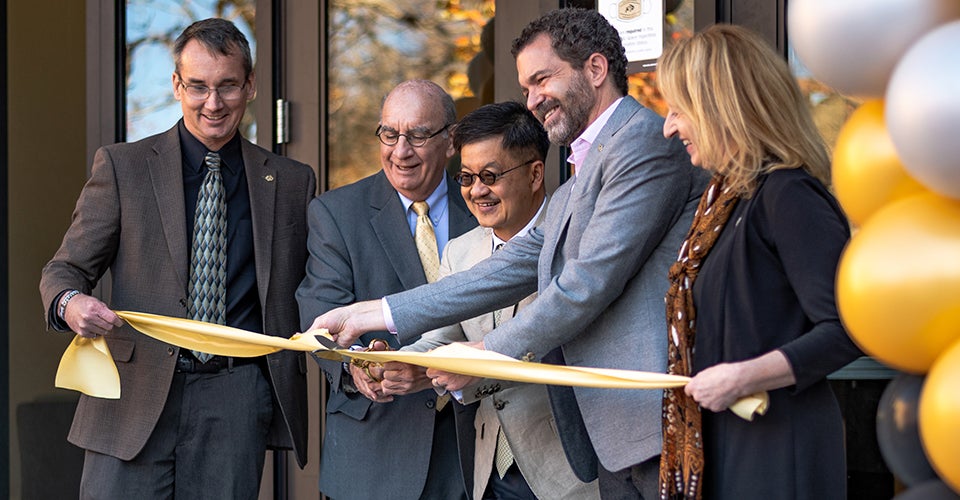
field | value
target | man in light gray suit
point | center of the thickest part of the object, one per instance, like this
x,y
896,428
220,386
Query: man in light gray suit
x,y
599,261
502,150
361,246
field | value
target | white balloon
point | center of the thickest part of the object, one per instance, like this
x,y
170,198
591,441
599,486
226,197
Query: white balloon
x,y
853,45
923,110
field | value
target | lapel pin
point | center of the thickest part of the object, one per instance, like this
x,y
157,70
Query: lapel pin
x,y
268,178
600,147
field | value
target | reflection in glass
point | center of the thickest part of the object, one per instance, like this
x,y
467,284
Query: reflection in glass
x,y
678,23
376,44
829,107
151,28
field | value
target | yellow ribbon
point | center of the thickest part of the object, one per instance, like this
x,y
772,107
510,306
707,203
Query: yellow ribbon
x,y
93,377
87,366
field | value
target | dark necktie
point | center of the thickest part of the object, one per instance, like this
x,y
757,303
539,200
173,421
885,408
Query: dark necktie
x,y
208,257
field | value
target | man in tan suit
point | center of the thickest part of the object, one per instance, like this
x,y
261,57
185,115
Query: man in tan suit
x,y
186,426
502,148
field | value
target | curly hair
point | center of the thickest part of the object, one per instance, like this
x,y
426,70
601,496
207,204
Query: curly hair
x,y
575,34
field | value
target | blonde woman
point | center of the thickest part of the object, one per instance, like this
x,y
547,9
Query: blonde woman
x,y
751,304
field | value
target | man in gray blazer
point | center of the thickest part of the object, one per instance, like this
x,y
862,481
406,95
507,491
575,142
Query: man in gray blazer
x,y
502,152
361,246
599,261
183,427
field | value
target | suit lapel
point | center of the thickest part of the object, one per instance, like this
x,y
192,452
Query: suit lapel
x,y
479,251
165,167
554,231
262,189
390,225
620,117
572,189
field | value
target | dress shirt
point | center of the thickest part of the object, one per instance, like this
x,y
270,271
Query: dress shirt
x,y
243,300
526,229
581,145
438,214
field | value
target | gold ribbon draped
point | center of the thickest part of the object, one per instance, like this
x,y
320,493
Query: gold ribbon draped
x,y
87,366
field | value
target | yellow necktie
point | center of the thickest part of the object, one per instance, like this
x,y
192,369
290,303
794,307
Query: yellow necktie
x,y
429,258
426,241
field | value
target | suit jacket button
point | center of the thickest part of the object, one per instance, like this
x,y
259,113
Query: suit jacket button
x,y
169,351
499,404
430,404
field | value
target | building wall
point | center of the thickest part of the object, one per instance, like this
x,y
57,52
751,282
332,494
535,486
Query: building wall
x,y
47,168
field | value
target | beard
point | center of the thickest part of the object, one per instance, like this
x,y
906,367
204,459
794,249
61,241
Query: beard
x,y
575,105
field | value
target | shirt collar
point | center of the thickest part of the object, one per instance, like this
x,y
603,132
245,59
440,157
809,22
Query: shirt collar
x,y
581,145
194,152
526,229
437,202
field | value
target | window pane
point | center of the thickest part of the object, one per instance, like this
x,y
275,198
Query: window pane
x,y
376,44
678,23
829,107
151,28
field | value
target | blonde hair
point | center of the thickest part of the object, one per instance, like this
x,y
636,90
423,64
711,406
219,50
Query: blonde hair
x,y
744,105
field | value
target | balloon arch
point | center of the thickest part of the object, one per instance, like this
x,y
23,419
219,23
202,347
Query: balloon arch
x,y
896,172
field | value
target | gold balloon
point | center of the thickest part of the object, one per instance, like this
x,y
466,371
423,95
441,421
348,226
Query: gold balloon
x,y
939,415
867,174
898,284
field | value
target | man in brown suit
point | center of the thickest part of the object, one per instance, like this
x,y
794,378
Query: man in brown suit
x,y
185,426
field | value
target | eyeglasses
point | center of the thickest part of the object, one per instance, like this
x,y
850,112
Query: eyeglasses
x,y
201,92
391,137
487,177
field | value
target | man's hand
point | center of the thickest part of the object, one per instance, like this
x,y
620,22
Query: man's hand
x,y
346,324
88,317
368,386
450,381
453,381
400,379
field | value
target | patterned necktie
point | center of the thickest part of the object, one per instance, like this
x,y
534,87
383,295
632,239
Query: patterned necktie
x,y
208,260
430,260
426,242
504,455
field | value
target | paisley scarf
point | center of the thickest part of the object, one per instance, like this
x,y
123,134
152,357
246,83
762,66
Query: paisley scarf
x,y
681,461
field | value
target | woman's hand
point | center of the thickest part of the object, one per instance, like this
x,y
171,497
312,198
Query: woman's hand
x,y
717,387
